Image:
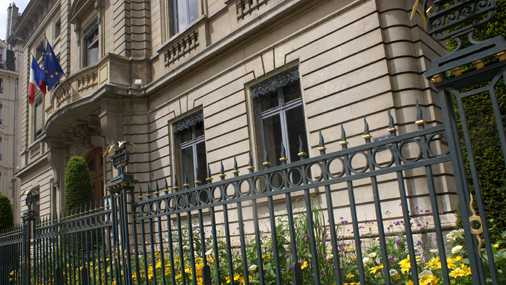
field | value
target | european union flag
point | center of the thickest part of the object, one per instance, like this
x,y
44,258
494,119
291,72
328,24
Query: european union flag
x,y
52,68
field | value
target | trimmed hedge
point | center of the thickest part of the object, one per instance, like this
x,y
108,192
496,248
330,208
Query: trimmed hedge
x,y
77,184
6,217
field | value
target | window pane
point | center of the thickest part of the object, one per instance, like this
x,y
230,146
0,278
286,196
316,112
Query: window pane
x,y
187,165
92,55
185,135
296,128
199,129
202,162
272,139
268,101
182,14
193,10
291,91
91,45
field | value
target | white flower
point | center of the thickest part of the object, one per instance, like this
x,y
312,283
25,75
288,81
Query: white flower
x,y
253,268
365,260
434,251
457,249
209,252
425,273
372,254
393,272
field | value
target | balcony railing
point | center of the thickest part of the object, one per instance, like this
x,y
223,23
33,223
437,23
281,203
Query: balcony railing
x,y
79,85
112,70
190,41
246,7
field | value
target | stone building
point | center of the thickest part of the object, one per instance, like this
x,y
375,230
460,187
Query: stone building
x,y
193,83
8,102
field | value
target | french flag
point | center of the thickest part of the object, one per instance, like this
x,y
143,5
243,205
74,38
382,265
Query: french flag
x,y
37,81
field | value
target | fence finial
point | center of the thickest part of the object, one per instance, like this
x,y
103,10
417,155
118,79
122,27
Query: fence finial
x,y
282,156
222,170
343,141
419,115
391,123
302,154
251,167
209,178
186,182
266,163
321,142
236,167
366,134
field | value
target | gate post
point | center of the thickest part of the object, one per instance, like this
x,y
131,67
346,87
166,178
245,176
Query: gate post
x,y
121,189
26,243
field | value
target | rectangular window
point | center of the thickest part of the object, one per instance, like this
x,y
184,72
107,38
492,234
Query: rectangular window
x,y
1,113
1,86
1,147
57,28
90,45
183,13
39,51
280,118
190,150
38,116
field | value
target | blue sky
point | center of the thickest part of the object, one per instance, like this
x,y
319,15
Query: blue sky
x,y
3,13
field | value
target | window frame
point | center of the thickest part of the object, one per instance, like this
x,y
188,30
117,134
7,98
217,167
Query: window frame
x,y
173,17
193,143
281,110
57,29
38,101
87,31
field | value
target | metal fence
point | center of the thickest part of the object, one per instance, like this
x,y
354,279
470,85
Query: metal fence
x,y
301,223
396,208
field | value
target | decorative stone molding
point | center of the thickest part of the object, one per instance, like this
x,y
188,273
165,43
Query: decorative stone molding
x,y
181,46
87,80
246,7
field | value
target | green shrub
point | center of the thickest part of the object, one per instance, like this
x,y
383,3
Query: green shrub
x,y
6,218
77,184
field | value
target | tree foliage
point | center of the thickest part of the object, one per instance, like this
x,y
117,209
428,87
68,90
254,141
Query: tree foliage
x,y
6,217
77,184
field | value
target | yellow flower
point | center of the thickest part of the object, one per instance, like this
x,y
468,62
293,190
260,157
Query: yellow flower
x,y
350,276
375,269
461,271
452,261
406,265
238,279
409,282
434,263
304,265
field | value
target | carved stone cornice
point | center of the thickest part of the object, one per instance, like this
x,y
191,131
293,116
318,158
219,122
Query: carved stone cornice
x,y
82,8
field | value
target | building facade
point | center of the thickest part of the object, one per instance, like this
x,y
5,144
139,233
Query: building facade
x,y
196,83
8,103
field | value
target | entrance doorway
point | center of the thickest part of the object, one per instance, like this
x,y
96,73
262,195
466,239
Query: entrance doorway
x,y
94,159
